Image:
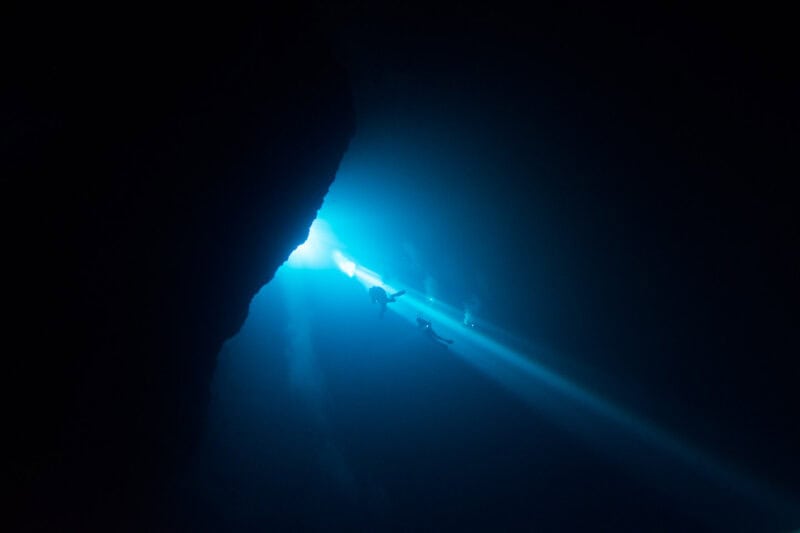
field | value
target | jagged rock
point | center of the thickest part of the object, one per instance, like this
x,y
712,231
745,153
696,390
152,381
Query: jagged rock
x,y
156,171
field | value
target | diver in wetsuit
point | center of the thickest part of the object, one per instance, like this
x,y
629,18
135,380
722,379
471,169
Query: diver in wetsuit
x,y
378,295
428,330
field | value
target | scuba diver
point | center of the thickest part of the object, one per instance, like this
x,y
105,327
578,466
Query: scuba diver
x,y
378,295
428,330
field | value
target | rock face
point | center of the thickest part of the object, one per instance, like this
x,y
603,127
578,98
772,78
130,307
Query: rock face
x,y
156,171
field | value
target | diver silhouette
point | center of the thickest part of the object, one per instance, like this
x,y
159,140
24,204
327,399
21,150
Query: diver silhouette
x,y
378,295
428,330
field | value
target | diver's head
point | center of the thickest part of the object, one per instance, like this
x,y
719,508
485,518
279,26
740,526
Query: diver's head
x,y
374,293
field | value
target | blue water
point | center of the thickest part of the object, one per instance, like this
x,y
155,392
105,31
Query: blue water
x,y
325,416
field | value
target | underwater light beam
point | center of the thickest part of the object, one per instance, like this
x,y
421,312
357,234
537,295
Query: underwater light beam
x,y
572,406
315,251
566,402
344,264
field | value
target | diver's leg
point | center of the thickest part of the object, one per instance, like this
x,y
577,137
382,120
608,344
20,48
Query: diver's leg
x,y
440,338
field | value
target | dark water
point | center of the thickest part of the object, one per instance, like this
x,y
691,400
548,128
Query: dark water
x,y
600,197
325,416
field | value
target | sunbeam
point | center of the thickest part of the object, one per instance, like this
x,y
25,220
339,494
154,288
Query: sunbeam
x,y
612,429
517,366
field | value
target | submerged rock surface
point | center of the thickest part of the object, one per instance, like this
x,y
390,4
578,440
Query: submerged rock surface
x,y
156,171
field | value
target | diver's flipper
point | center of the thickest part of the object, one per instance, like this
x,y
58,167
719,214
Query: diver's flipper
x,y
395,295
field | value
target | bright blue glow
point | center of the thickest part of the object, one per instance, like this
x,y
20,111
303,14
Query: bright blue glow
x,y
569,404
566,402
368,279
344,264
315,251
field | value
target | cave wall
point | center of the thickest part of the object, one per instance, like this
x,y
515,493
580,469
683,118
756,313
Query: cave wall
x,y
156,170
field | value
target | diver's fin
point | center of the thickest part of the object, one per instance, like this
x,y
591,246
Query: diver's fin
x,y
395,295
